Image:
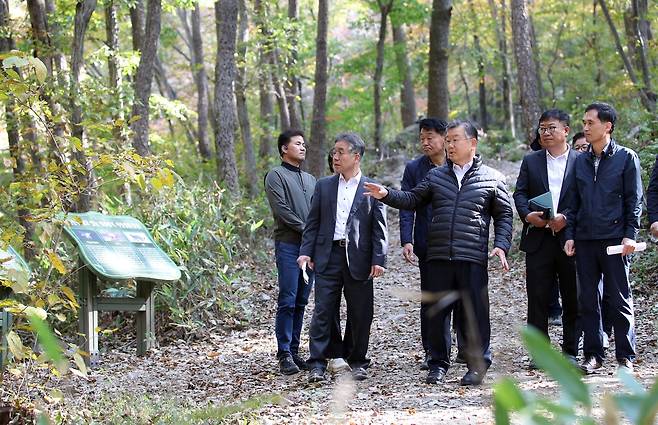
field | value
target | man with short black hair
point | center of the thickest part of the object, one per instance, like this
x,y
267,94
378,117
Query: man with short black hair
x,y
289,191
604,210
579,142
465,196
547,171
345,242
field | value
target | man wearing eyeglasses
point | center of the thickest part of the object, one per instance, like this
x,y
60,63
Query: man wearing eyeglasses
x,y
604,210
543,171
579,142
345,242
465,196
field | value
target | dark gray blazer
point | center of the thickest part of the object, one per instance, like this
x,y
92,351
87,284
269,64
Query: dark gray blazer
x,y
367,236
533,181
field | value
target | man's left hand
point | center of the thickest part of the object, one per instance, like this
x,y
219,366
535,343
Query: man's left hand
x,y
654,229
629,246
503,258
376,271
557,223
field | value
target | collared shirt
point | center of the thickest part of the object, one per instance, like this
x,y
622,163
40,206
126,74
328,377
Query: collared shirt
x,y
597,159
555,167
344,200
460,172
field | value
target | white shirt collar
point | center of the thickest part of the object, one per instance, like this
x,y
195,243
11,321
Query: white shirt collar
x,y
357,177
465,168
561,156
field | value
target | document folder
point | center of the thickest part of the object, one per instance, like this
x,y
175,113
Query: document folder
x,y
543,203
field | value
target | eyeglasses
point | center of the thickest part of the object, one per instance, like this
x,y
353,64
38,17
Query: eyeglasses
x,y
581,148
453,142
339,152
546,130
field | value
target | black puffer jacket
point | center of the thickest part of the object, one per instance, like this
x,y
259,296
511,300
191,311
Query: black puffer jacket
x,y
459,228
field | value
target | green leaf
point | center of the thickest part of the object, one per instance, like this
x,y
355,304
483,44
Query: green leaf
x,y
553,363
39,68
48,341
507,398
14,61
15,345
649,407
255,226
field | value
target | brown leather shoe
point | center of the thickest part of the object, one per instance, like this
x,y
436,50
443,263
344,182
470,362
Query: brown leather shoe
x,y
590,365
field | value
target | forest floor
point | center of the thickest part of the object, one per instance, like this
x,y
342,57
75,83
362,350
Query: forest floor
x,y
233,376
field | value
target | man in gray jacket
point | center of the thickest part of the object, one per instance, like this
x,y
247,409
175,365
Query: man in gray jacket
x,y
465,195
289,191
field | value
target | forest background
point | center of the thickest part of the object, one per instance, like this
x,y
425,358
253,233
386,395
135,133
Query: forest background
x,y
168,111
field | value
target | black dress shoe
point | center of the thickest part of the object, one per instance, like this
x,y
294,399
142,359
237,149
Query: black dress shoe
x,y
359,374
435,376
301,363
316,375
461,358
425,364
590,365
472,377
287,365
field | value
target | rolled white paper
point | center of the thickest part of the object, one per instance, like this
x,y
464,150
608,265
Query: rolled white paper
x,y
304,274
616,249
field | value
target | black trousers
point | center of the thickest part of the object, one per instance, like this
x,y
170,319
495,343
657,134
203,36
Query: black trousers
x,y
592,263
425,306
542,268
451,282
335,279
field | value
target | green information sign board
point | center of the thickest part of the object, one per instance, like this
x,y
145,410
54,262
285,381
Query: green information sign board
x,y
119,248
12,260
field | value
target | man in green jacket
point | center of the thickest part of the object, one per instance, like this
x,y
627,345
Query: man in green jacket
x,y
289,191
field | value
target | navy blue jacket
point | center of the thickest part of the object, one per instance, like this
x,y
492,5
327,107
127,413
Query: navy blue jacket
x,y
414,225
652,194
606,204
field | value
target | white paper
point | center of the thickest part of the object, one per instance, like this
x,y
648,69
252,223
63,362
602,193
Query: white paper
x,y
304,274
617,249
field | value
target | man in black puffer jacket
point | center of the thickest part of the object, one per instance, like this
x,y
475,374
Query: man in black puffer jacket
x,y
465,195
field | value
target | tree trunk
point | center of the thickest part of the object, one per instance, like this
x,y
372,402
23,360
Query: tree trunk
x,y
144,77
647,97
317,155
526,72
438,95
501,36
138,23
384,10
407,95
638,33
266,105
291,83
85,177
536,57
482,89
241,100
466,89
201,80
226,16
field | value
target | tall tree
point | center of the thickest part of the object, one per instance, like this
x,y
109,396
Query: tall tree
x,y
501,36
241,99
144,77
265,89
84,174
226,17
292,82
384,10
526,71
482,89
438,95
407,95
317,154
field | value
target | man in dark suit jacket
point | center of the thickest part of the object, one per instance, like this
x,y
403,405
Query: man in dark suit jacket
x,y
548,170
652,200
345,242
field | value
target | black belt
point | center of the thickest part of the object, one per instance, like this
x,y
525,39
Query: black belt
x,y
340,242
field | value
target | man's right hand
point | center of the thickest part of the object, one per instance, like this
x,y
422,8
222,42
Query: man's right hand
x,y
570,248
305,259
375,190
654,229
408,253
535,218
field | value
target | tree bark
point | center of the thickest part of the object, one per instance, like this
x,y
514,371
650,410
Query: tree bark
x,y
438,95
482,89
384,10
291,84
201,80
317,155
241,100
226,16
144,77
85,177
501,35
466,89
638,34
647,97
407,95
266,104
138,24
526,72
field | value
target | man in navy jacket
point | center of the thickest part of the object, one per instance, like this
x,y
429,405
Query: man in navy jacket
x,y
652,200
414,225
604,210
